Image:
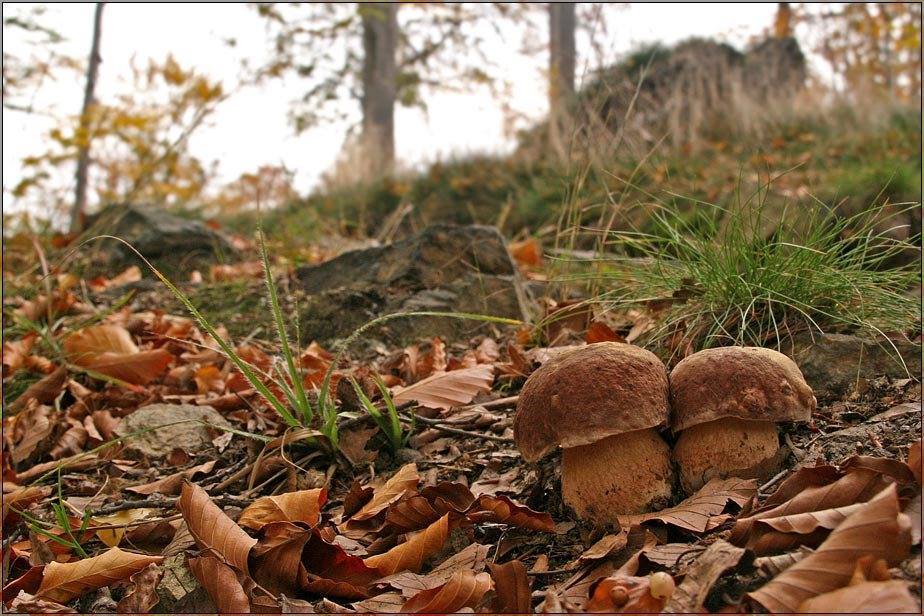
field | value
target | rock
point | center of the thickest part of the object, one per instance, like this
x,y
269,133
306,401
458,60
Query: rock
x,y
174,245
443,268
832,363
191,437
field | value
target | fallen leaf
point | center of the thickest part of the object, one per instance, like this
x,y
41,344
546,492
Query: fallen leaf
x,y
109,350
301,506
43,391
398,485
502,509
352,445
891,597
606,545
209,379
24,603
66,581
512,588
141,596
214,530
914,460
771,566
276,558
527,252
601,332
171,484
877,529
694,513
28,429
624,594
221,583
463,590
700,576
120,519
411,514
334,572
412,554
471,558
445,390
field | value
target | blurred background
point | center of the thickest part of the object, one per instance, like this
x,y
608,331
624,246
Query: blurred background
x,y
373,119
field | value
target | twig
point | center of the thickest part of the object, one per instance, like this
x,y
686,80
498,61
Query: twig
x,y
491,404
550,572
773,480
438,425
168,502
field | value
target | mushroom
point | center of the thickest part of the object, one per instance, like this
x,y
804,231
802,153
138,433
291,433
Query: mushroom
x,y
603,404
726,404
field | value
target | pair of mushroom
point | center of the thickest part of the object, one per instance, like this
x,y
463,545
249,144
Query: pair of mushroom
x,y
604,404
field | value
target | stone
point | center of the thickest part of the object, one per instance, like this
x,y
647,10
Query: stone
x,y
173,244
444,268
832,363
191,437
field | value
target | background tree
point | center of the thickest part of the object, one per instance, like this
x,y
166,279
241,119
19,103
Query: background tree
x,y
782,23
83,151
343,51
24,73
562,58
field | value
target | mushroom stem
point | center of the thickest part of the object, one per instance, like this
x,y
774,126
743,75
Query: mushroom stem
x,y
727,447
621,474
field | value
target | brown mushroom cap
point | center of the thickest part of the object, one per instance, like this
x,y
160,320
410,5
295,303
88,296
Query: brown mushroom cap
x,y
588,394
744,382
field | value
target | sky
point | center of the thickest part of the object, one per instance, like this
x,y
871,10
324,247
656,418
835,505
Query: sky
x,y
251,129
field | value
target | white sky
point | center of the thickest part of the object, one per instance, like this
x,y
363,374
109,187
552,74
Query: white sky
x,y
251,129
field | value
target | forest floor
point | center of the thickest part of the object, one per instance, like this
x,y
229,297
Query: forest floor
x,y
234,510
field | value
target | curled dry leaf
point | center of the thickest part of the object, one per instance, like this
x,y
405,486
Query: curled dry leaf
x,y
816,507
43,391
412,554
914,460
891,597
502,509
471,558
445,390
333,572
465,589
877,529
276,559
109,350
512,588
221,583
65,581
770,566
405,480
301,506
214,530
141,596
24,603
694,513
411,514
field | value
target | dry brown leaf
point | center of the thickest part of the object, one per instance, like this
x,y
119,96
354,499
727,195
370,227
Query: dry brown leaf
x,y
21,498
601,332
24,603
527,252
512,588
15,353
276,559
914,460
141,596
691,594
411,514
27,430
221,583
69,443
301,506
891,597
814,507
214,530
877,529
65,581
894,469
331,571
624,594
405,480
472,558
109,350
502,509
43,391
171,484
606,545
412,554
771,566
445,390
694,513
465,589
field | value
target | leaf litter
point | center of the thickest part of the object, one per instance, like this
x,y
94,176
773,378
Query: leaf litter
x,y
278,519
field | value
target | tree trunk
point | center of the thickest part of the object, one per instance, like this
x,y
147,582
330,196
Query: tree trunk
x,y
78,214
380,39
782,25
561,71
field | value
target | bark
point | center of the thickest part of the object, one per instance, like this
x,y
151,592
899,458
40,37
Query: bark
x,y
78,214
379,80
561,70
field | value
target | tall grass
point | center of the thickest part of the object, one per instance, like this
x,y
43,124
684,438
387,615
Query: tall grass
x,y
720,277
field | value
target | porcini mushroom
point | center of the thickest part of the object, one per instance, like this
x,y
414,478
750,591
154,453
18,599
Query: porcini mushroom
x,y
726,404
603,404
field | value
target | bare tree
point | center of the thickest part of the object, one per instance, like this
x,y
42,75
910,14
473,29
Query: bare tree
x,y
78,214
561,70
379,83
